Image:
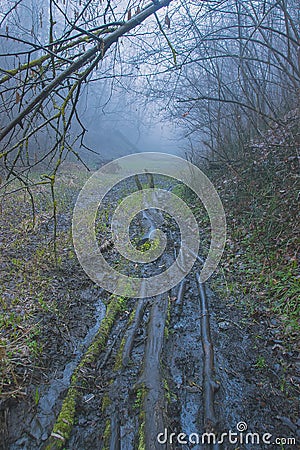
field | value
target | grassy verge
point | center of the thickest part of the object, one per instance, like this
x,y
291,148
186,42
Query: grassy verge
x,y
30,294
261,259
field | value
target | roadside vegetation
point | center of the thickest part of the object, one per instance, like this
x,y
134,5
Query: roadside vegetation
x,y
35,290
260,195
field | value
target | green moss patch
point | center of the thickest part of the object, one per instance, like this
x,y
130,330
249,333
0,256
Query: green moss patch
x,y
65,421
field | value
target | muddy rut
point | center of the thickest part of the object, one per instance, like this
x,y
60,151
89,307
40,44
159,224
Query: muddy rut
x,y
176,371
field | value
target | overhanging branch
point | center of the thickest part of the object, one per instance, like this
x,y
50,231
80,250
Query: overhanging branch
x,y
88,56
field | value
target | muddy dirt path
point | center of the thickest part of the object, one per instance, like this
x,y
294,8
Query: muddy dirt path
x,y
159,373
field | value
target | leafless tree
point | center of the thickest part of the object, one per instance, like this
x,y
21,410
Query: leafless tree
x,y
237,71
50,51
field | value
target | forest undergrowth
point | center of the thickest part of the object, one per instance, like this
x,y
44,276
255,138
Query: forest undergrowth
x,y
260,194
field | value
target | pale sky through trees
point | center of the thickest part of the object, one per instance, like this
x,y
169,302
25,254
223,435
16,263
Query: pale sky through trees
x,y
203,74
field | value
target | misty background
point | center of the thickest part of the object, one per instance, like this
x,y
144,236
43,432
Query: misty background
x,y
114,107
122,125
204,79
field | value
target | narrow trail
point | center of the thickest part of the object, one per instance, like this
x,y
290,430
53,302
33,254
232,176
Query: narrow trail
x,y
159,373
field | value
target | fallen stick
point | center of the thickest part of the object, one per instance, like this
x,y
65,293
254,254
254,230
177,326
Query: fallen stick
x,y
209,385
115,443
132,329
138,183
151,383
150,179
180,295
102,363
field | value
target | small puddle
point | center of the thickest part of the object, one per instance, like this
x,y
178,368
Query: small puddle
x,y
50,394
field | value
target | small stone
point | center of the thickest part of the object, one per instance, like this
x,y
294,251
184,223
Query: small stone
x,y
224,325
88,397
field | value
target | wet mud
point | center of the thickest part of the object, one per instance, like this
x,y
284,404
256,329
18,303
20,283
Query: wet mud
x,y
164,377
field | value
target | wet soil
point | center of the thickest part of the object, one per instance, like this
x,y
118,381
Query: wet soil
x,y
257,373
